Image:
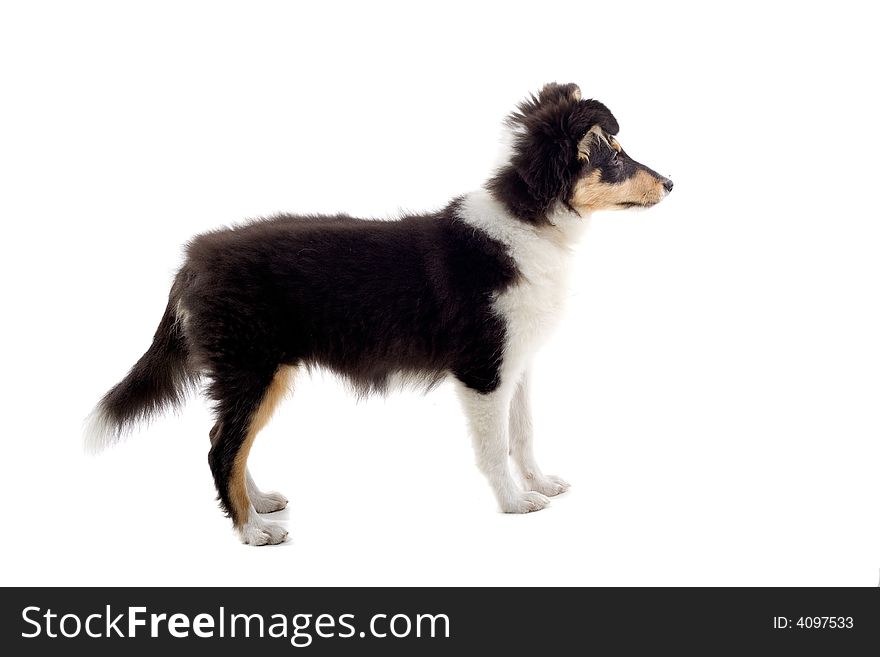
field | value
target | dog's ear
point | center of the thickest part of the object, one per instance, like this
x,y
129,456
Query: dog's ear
x,y
599,124
595,122
588,141
590,113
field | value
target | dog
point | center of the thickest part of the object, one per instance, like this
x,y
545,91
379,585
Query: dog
x,y
467,293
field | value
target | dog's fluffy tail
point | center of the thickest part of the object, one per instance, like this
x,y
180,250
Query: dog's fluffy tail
x,y
157,382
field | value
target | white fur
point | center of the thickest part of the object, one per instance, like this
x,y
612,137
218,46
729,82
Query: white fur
x,y
507,140
487,416
521,445
500,421
99,431
264,502
181,315
257,531
533,306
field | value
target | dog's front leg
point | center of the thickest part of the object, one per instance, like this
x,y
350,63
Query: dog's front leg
x,y
488,416
521,444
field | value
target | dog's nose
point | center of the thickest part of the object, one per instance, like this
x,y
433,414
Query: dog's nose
x,y
667,184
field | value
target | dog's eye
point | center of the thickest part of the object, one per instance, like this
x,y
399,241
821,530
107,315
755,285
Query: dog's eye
x,y
614,156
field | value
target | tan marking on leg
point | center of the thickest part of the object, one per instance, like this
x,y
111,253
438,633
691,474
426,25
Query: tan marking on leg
x,y
238,480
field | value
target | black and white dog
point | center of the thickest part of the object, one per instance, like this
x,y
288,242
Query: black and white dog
x,y
468,293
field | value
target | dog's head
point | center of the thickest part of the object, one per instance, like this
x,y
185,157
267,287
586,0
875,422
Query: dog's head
x,y
565,151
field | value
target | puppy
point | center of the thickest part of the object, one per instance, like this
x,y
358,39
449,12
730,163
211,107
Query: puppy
x,y
466,293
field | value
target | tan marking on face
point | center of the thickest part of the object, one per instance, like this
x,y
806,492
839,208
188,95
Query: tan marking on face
x,y
238,496
615,144
591,194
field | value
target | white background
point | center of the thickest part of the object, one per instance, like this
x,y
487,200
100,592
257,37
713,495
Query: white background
x,y
712,396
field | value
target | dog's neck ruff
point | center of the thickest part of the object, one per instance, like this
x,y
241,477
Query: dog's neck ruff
x,y
483,211
533,305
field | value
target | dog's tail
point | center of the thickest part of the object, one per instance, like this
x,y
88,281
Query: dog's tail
x,y
159,381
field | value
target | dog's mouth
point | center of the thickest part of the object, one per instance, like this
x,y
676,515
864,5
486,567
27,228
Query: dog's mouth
x,y
636,204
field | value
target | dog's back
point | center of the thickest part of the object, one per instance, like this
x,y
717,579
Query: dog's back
x,y
366,299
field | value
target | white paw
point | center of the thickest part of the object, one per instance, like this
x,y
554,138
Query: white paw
x,y
548,485
268,502
526,503
259,532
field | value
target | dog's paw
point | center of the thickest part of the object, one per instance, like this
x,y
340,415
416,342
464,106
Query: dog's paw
x,y
526,503
549,485
268,502
260,532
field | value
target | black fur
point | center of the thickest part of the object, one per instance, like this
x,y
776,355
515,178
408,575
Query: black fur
x,y
364,298
158,381
616,166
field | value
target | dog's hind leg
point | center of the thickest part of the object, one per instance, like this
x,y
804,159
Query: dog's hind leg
x,y
521,444
245,403
488,415
264,502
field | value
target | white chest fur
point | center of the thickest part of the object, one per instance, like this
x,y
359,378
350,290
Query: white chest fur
x,y
532,306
